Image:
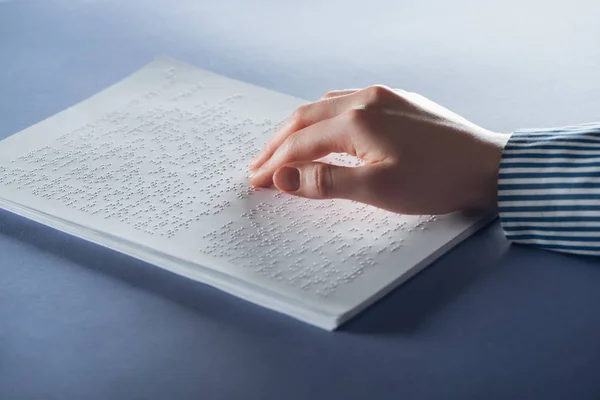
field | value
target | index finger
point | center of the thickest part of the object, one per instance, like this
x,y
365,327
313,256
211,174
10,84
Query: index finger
x,y
303,117
332,135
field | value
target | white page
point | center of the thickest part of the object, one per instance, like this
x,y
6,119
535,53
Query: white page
x,y
156,167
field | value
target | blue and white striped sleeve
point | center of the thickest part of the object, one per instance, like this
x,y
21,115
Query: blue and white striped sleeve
x,y
549,188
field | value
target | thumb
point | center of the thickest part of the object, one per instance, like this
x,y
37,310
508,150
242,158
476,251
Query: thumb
x,y
318,180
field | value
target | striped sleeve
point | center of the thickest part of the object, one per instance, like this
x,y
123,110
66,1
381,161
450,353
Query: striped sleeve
x,y
549,188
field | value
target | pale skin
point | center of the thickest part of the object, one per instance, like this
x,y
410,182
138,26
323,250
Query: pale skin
x,y
419,158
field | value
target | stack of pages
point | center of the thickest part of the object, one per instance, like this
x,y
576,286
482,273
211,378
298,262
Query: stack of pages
x,y
156,167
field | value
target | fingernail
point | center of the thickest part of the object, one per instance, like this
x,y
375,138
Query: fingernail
x,y
289,179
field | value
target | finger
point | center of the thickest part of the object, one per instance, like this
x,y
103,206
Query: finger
x,y
304,116
311,143
316,180
338,93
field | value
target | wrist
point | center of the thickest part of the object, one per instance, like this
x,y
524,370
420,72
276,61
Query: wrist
x,y
493,148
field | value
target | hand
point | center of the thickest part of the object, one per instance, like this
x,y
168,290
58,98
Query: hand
x,y
419,158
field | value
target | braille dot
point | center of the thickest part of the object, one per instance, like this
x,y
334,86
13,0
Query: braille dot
x,y
143,164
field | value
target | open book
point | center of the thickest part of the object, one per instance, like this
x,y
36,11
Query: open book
x,y
156,167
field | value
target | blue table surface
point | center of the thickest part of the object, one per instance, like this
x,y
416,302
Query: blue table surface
x,y
488,320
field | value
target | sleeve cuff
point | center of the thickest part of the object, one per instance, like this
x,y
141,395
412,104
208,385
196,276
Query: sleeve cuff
x,y
549,188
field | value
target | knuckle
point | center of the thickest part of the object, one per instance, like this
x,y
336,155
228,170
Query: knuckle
x,y
299,116
330,94
377,93
323,180
283,154
288,145
303,109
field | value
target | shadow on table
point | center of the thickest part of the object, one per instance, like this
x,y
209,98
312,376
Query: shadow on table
x,y
421,298
203,299
403,311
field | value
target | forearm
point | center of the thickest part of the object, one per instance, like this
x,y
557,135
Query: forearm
x,y
549,188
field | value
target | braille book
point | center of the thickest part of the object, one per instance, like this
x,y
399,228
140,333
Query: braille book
x,y
156,167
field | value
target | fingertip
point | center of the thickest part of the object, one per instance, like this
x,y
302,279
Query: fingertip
x,y
260,179
252,178
253,181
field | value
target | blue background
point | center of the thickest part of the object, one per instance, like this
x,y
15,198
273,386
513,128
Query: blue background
x,y
488,320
